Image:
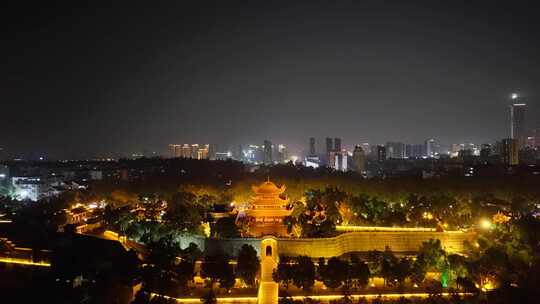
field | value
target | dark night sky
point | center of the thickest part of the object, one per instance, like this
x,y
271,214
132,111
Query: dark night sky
x,y
87,81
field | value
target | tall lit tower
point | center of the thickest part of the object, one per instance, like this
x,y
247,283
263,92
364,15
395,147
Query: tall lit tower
x,y
329,150
510,152
267,159
429,147
359,159
517,120
312,146
337,144
381,153
329,145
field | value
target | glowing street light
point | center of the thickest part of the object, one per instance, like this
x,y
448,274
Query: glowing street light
x,y
486,224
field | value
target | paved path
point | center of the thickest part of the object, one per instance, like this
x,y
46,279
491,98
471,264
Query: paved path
x,y
268,289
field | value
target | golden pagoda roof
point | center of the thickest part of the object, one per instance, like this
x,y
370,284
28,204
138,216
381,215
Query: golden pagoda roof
x,y
268,188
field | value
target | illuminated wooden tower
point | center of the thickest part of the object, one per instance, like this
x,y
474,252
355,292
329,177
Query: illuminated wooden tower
x,y
268,209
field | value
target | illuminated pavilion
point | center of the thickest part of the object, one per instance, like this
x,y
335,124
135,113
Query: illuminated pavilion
x,y
268,209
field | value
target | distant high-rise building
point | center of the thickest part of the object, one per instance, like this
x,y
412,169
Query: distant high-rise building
x,y
281,154
517,120
430,148
510,151
185,151
344,165
365,146
194,151
329,145
338,160
223,155
395,150
337,144
381,153
329,150
175,150
203,152
485,152
359,159
267,152
312,161
312,151
414,151
212,151
333,160
238,153
253,154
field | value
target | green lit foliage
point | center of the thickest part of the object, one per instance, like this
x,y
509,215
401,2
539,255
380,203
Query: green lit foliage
x,y
430,257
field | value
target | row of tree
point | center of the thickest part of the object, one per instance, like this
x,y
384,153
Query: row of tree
x,y
354,273
169,269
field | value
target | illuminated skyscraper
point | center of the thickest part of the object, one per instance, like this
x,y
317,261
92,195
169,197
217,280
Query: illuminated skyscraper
x,y
517,120
175,150
203,152
485,152
359,159
312,151
267,152
185,151
329,150
194,151
338,160
510,151
281,154
395,150
329,145
337,144
212,151
365,146
430,147
414,150
381,153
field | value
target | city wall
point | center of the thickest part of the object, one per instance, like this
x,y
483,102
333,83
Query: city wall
x,y
399,242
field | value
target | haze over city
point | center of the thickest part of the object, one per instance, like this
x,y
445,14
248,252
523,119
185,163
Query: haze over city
x,y
82,81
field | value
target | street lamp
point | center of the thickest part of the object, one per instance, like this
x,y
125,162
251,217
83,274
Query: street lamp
x,y
486,224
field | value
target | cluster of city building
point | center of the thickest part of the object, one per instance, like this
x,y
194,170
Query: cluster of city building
x,y
267,153
521,147
42,179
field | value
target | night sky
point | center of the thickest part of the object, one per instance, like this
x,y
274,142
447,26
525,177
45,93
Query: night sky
x,y
104,81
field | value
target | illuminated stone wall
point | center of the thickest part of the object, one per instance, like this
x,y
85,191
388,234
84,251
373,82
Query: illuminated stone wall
x,y
399,242
366,241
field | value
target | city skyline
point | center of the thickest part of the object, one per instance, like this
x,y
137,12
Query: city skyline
x,y
366,72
